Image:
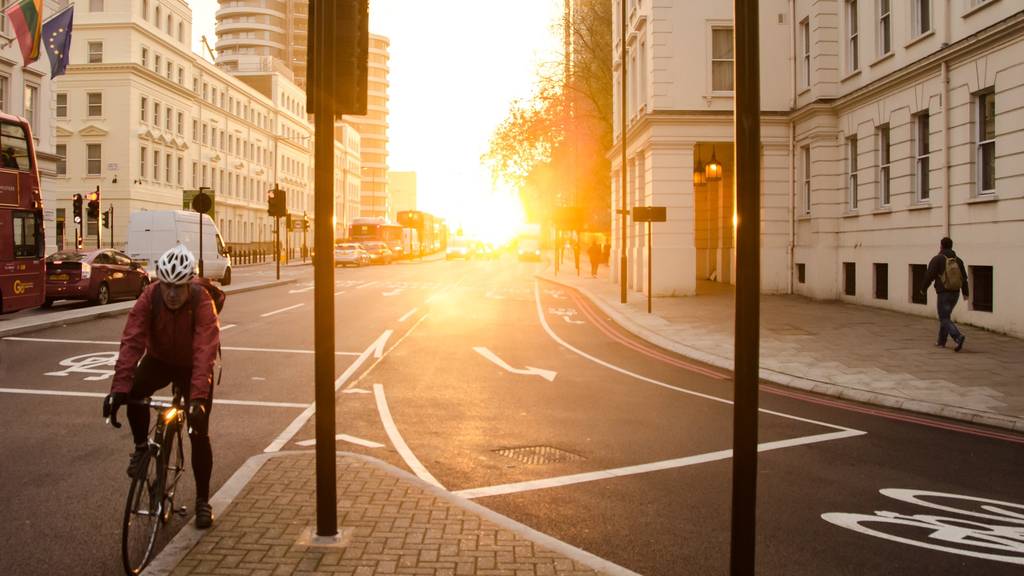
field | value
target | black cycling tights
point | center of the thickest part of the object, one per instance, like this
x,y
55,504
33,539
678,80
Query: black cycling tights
x,y
152,375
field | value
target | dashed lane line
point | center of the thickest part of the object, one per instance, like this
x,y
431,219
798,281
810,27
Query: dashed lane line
x,y
281,310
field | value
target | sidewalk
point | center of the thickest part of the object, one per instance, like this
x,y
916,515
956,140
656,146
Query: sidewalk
x,y
856,352
389,522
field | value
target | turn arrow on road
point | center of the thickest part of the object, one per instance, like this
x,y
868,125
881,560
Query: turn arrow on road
x,y
548,375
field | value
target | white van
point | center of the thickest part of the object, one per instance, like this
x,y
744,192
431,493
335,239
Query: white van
x,y
153,232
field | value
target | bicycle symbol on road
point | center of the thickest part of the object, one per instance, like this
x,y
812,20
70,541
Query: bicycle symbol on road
x,y
566,314
95,364
556,294
999,538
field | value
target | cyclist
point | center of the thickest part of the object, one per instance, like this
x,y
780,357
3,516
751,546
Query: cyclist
x,y
172,335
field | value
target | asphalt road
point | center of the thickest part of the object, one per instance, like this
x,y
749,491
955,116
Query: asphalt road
x,y
524,397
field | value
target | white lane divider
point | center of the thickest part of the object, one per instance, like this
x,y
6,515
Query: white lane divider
x,y
70,393
345,438
407,315
394,292
227,327
301,290
548,375
367,284
281,310
396,439
375,348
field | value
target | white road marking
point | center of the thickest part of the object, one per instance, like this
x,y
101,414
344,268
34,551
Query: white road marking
x,y
63,340
407,315
541,484
367,284
394,292
164,398
345,438
356,391
568,321
286,435
548,375
233,348
396,439
227,326
339,292
300,290
281,310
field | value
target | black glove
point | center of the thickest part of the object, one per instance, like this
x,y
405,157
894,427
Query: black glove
x,y
198,417
111,404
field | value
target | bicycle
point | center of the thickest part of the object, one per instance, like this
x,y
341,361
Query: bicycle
x,y
150,503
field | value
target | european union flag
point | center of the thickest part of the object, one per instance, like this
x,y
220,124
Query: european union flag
x,y
57,40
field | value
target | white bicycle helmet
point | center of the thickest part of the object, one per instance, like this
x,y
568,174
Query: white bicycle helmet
x,y
176,266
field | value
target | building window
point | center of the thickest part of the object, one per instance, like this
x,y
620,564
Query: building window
x,y
852,36
95,103
94,154
170,70
850,278
884,27
168,118
181,76
922,16
195,130
921,146
62,161
5,83
156,114
144,6
884,180
31,105
157,60
167,168
156,162
62,105
981,288
181,123
145,57
181,170
721,60
805,53
851,151
919,283
142,162
195,175
881,281
986,114
801,273
805,154
204,133
156,16
95,5
142,110
181,32
95,52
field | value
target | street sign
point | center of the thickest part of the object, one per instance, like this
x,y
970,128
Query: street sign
x,y
649,214
188,195
296,223
202,202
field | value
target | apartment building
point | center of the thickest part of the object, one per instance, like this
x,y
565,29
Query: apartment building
x,y
266,33
885,126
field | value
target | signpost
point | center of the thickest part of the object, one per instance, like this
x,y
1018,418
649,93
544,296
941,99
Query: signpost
x,y
201,203
188,195
649,214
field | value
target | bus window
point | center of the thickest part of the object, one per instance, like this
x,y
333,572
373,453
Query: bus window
x,y
27,239
14,148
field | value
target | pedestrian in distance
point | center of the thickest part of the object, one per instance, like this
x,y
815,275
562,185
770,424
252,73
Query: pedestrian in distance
x,y
595,255
172,335
947,272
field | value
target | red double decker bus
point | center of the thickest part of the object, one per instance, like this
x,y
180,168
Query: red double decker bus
x,y
22,266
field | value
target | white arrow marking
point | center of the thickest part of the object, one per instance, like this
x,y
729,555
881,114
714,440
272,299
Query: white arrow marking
x,y
346,438
407,314
566,318
548,375
356,391
378,349
394,292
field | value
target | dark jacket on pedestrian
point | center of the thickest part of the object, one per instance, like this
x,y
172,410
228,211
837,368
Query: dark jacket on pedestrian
x,y
937,266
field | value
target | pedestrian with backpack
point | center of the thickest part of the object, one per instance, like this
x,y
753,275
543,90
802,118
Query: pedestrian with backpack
x,y
172,335
946,270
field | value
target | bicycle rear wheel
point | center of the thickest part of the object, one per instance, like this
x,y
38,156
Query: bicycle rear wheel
x,y
142,516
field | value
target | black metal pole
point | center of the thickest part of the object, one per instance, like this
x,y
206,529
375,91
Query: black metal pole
x,y
323,274
110,221
200,240
98,232
277,244
748,286
623,278
650,268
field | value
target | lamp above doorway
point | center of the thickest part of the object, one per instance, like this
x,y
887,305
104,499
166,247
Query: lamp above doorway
x,y
713,169
699,177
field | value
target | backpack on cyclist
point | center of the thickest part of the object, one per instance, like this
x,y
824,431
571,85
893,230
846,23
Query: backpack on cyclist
x,y
952,279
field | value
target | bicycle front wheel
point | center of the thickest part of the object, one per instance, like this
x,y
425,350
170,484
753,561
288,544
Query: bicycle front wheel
x,y
172,458
142,516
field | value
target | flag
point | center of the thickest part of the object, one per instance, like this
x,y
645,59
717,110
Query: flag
x,y
57,40
27,19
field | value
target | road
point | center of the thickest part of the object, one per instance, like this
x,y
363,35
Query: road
x,y
520,395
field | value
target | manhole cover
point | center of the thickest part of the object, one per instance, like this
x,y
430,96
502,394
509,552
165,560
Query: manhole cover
x,y
539,455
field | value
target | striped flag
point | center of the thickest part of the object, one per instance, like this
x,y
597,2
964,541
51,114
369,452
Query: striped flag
x,y
26,17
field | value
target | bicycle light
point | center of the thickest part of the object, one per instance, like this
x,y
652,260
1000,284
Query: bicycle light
x,y
170,414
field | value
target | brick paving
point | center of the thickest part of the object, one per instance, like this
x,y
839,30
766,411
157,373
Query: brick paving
x,y
858,352
397,524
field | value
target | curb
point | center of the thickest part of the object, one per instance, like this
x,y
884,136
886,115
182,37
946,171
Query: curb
x,y
189,535
116,309
992,419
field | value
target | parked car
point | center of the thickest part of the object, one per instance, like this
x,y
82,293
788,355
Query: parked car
x,y
379,252
528,250
351,254
460,248
98,275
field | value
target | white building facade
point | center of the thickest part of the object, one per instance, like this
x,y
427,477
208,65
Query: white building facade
x,y
885,126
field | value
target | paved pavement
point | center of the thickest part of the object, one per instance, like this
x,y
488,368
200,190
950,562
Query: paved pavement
x,y
391,523
856,352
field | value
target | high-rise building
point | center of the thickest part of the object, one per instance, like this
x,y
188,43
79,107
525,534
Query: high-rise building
x,y
263,36
373,131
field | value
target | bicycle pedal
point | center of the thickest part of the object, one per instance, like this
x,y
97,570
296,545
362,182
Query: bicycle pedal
x,y
181,511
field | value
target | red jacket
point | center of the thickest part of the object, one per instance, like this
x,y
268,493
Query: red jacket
x,y
170,338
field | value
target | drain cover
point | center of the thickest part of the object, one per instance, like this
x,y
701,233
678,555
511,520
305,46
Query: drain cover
x,y
539,455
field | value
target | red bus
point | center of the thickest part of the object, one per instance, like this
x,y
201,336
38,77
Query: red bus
x,y
22,266
377,229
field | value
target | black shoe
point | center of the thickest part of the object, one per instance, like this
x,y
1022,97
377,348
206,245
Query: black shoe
x,y
204,514
138,460
960,343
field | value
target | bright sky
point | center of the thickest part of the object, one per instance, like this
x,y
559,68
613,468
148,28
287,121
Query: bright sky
x,y
456,65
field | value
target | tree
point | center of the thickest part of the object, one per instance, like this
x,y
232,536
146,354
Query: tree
x,y
553,147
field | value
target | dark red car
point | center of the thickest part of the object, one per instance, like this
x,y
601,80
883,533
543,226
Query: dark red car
x,y
98,275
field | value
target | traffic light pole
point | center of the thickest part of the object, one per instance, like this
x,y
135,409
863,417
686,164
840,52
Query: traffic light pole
x,y
110,223
277,244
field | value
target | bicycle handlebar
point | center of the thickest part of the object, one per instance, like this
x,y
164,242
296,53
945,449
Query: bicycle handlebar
x,y
152,403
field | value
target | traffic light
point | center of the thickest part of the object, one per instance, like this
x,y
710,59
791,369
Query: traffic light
x,y
93,209
106,218
277,205
76,209
348,53
305,222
